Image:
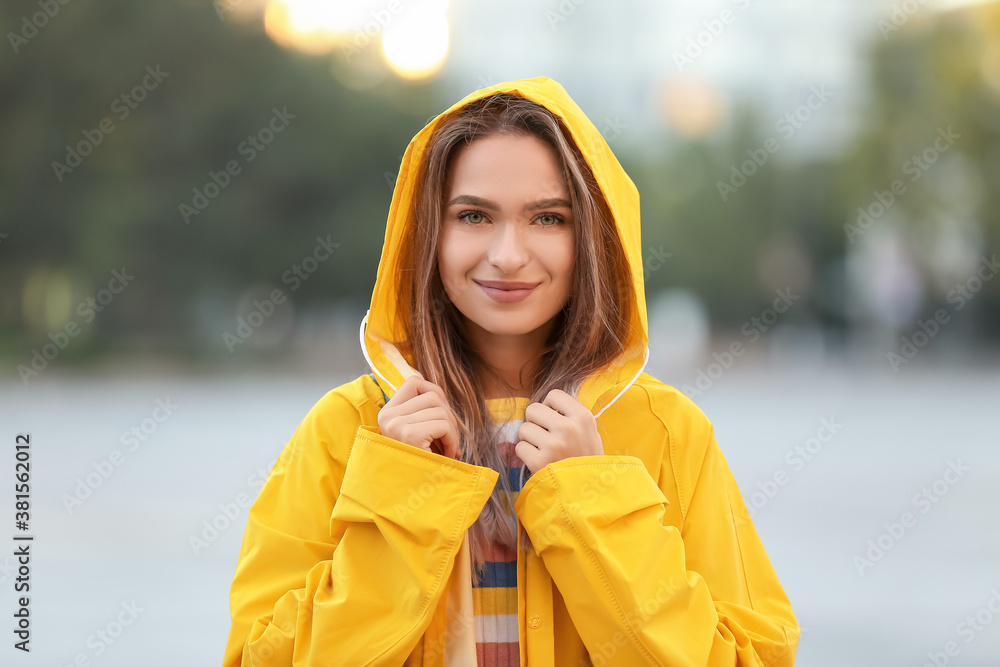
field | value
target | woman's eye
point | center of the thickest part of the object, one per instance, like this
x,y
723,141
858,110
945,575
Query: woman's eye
x,y
555,219
471,217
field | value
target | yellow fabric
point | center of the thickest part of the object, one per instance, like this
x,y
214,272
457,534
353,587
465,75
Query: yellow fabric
x,y
355,551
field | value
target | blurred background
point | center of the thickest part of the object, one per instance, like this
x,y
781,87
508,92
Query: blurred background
x,y
819,185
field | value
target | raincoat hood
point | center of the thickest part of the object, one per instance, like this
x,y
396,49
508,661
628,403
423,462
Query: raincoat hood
x,y
381,329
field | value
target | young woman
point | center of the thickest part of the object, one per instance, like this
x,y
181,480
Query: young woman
x,y
507,486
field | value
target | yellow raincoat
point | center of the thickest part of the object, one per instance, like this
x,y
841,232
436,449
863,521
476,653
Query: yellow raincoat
x,y
356,552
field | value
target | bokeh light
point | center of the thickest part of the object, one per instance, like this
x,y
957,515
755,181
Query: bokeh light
x,y
416,43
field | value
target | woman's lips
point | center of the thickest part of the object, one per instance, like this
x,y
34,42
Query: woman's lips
x,y
506,295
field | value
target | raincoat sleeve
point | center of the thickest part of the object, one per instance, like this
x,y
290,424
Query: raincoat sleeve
x,y
348,546
642,591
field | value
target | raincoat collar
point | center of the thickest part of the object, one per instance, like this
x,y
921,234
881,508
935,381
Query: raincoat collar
x,y
380,329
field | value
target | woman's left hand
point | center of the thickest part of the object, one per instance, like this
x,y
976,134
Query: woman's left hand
x,y
555,429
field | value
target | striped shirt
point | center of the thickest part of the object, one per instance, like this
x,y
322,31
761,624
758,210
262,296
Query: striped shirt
x,y
494,599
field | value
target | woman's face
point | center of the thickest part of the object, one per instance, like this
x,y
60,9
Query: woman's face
x,y
507,219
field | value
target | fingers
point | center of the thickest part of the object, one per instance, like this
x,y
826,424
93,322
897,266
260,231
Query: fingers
x,y
440,424
535,435
561,402
542,415
551,431
416,403
530,455
413,395
420,413
406,391
426,386
415,386
450,440
432,405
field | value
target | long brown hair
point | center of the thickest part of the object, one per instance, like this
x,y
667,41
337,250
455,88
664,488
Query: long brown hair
x,y
592,329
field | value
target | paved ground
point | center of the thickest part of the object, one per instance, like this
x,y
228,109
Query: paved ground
x,y
894,435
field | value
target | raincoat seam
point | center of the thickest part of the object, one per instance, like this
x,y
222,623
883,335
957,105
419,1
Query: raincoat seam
x,y
365,400
602,465
369,440
739,547
673,454
619,610
520,502
674,464
701,471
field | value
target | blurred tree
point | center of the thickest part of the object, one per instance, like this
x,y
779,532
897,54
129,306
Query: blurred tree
x,y
217,85
933,128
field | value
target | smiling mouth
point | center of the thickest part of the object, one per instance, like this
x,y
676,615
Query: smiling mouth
x,y
506,284
506,294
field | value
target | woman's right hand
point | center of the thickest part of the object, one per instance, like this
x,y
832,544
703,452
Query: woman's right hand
x,y
418,414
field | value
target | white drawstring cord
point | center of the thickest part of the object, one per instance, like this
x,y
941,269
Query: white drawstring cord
x,y
645,359
364,350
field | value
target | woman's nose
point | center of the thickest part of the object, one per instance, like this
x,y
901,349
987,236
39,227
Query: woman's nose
x,y
508,248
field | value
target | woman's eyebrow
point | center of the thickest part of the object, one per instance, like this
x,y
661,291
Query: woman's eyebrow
x,y
472,200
